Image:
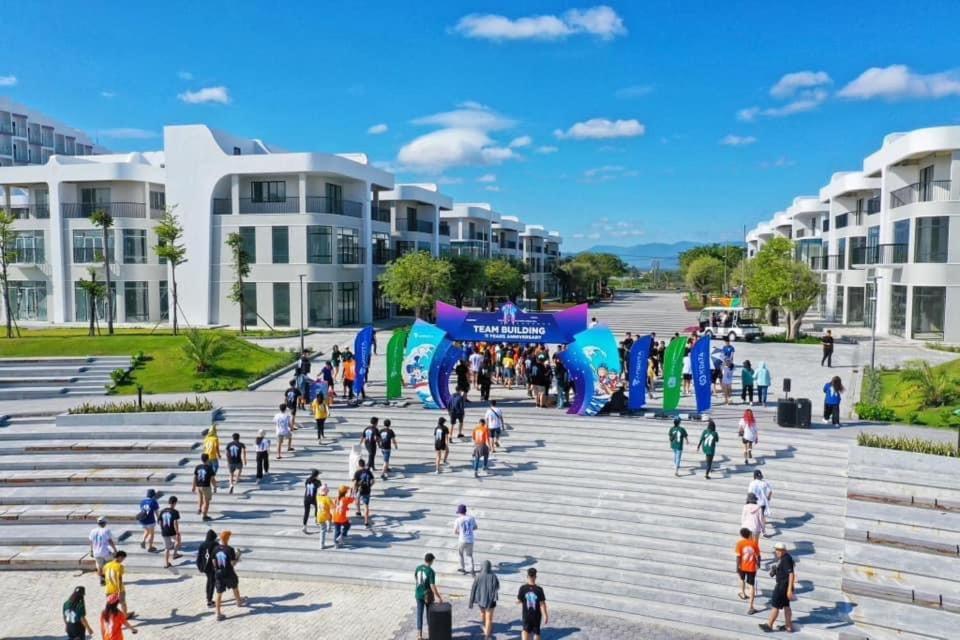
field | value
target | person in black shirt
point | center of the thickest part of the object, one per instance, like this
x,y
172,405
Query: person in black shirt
x,y
388,442
785,576
225,576
169,520
204,484
310,488
440,435
485,378
457,410
362,484
236,458
303,367
205,563
370,438
463,378
827,342
533,606
290,398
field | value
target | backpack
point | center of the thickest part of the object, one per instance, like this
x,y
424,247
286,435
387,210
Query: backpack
x,y
143,515
204,559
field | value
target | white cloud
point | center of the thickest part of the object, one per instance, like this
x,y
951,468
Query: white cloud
x,y
605,169
487,177
522,141
492,187
468,115
600,21
806,100
898,81
635,91
220,95
108,94
578,236
790,83
593,236
445,148
184,75
448,180
128,133
733,140
602,129
8,81
546,149
779,163
377,129
605,174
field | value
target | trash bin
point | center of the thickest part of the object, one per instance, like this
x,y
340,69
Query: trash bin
x,y
440,621
786,413
804,412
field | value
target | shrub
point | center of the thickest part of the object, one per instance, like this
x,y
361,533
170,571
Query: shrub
x,y
903,443
782,337
935,386
120,377
872,393
879,413
197,404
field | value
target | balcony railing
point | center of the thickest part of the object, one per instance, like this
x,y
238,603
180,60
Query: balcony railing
x,y
350,254
115,209
414,225
880,254
380,215
381,255
322,204
28,255
6,150
33,138
82,255
20,156
825,263
6,127
932,191
288,205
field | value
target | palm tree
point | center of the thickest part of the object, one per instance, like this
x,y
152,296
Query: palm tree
x,y
204,349
7,255
104,220
94,290
169,231
935,385
241,269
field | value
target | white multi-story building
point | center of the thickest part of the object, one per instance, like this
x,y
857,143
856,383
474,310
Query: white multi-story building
x,y
318,229
882,238
506,234
30,137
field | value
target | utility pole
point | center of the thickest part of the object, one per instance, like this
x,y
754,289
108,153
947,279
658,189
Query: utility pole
x,y
873,324
301,276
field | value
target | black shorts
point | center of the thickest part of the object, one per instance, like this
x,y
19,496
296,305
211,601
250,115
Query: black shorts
x,y
236,466
688,377
292,408
532,626
750,577
715,375
225,582
440,446
779,599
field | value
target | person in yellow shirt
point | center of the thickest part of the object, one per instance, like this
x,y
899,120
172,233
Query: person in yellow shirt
x,y
113,581
321,411
324,514
211,447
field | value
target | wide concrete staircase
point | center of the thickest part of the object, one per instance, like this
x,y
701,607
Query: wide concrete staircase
x,y
38,378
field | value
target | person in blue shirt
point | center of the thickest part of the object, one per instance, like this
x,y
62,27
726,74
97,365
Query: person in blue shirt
x,y
147,517
728,349
831,401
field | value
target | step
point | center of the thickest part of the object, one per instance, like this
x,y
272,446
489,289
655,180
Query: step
x,y
96,477
894,616
89,461
96,446
937,593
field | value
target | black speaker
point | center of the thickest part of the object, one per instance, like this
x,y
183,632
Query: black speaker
x,y
804,412
440,620
786,413
786,385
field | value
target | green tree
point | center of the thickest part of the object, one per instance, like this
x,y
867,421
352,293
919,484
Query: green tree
x,y
416,280
169,233
704,276
94,290
774,279
204,349
240,262
104,220
466,277
503,279
7,255
729,256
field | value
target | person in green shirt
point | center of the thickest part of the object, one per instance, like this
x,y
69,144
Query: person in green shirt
x,y
426,591
708,441
75,615
746,382
677,437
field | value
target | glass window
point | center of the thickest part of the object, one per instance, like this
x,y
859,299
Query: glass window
x,y
348,246
381,306
898,310
135,301
248,235
841,255
838,305
92,196
929,304
28,247
158,200
932,235
319,304
281,245
855,301
134,246
88,245
858,246
81,304
319,245
381,248
281,303
28,298
334,194
841,221
405,246
348,302
164,300
826,224
268,191
250,303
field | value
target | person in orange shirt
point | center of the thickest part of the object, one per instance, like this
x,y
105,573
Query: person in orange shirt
x,y
341,516
748,559
481,447
349,374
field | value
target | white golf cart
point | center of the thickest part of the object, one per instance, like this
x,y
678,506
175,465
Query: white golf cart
x,y
736,323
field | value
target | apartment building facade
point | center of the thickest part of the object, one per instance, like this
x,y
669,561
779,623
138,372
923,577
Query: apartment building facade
x,y
886,239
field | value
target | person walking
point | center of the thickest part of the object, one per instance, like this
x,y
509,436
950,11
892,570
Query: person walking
x,y
236,460
310,487
485,378
827,342
465,526
388,442
748,560
349,375
440,445
362,486
749,435
764,492
481,447
75,616
169,520
533,607
426,592
484,594
832,394
341,516
456,409
678,435
205,563
509,368
283,423
762,379
370,439
708,442
746,382
225,558
785,576
113,620
262,445
494,418
211,447
751,516
335,359
204,484
462,373
687,375
102,546
113,581
291,399
324,514
321,411
726,380
147,517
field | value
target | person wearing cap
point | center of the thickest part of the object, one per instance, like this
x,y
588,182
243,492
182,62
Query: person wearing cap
x,y
147,517
785,576
678,435
102,546
440,435
464,527
262,445
533,606
225,576
113,619
113,581
324,514
426,592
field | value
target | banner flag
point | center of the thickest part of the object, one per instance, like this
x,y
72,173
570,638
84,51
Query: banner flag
x,y
672,373
418,360
700,367
362,351
398,341
638,358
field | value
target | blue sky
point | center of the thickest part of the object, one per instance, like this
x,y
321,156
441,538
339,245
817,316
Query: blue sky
x,y
614,124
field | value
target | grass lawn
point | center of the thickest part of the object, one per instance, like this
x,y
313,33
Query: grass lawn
x,y
166,368
902,397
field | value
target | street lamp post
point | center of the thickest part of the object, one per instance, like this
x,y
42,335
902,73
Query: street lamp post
x,y
301,276
873,323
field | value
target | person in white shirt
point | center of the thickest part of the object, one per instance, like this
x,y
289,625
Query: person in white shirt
x,y
284,430
476,361
764,492
262,444
464,528
593,322
494,418
102,546
748,434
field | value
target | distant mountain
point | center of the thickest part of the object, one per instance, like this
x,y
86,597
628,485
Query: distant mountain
x,y
642,255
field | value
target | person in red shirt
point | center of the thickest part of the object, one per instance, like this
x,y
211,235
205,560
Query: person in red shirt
x,y
748,559
481,447
341,516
